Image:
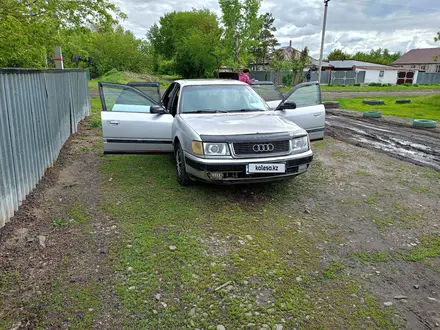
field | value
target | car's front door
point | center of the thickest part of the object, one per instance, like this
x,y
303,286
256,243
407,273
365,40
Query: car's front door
x,y
309,112
152,89
128,126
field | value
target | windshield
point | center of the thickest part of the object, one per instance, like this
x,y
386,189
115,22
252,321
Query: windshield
x,y
220,98
268,92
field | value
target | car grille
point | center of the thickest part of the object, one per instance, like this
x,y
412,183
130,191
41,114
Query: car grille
x,y
261,148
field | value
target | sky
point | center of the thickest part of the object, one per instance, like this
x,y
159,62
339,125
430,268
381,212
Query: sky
x,y
352,25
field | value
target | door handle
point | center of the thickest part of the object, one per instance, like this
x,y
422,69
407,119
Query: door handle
x,y
114,122
317,114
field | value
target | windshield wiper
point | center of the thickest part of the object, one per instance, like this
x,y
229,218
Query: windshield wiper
x,y
207,111
244,110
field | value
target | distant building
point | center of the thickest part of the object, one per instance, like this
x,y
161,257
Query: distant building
x,y
426,59
375,73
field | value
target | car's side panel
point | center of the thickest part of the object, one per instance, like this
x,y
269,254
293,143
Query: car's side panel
x,y
309,113
127,124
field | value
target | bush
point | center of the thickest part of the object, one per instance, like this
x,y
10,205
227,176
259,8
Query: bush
x,y
373,84
167,67
287,80
416,85
407,84
357,84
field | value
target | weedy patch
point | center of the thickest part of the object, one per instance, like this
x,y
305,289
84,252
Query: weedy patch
x,y
205,255
371,257
364,173
338,155
333,270
429,247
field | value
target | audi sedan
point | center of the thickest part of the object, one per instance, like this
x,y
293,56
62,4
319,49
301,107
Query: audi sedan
x,y
220,131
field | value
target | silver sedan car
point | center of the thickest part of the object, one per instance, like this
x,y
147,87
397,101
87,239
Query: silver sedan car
x,y
220,131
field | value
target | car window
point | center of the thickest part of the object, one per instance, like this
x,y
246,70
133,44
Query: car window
x,y
175,100
167,95
125,99
150,89
268,92
306,96
220,98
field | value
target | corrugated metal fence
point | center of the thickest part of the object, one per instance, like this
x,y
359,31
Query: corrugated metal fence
x,y
327,77
39,110
428,78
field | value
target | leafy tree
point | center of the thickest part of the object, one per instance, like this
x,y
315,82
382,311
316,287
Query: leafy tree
x,y
278,64
29,28
266,40
241,22
298,62
338,55
190,39
117,49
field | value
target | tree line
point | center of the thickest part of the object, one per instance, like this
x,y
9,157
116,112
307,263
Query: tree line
x,y
190,44
379,56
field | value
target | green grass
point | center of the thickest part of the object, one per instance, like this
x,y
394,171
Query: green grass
x,y
364,88
364,173
421,107
221,237
429,247
397,88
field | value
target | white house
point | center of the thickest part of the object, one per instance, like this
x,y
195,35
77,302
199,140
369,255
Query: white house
x,y
376,73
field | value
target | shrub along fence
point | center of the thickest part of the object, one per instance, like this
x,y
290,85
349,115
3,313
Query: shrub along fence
x,y
39,110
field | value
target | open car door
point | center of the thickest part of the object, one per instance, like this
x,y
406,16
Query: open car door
x,y
151,89
128,126
309,112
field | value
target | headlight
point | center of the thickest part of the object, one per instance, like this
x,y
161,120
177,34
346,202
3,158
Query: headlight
x,y
216,149
299,144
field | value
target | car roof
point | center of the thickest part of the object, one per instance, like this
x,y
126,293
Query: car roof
x,y
200,82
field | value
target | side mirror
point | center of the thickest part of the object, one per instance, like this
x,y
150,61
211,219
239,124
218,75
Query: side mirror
x,y
157,109
287,106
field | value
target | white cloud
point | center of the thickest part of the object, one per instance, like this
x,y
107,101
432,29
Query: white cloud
x,y
353,25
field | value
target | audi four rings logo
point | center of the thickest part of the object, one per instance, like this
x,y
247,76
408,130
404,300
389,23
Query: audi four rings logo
x,y
263,147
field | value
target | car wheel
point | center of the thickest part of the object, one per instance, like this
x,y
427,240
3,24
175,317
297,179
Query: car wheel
x,y
182,176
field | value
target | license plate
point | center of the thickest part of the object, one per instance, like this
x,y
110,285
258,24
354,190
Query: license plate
x,y
265,168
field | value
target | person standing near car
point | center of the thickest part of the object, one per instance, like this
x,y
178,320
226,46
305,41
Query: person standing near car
x,y
244,77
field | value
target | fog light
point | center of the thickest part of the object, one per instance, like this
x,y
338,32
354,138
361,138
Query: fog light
x,y
215,175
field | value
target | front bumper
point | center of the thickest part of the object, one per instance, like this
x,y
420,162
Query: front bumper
x,y
234,170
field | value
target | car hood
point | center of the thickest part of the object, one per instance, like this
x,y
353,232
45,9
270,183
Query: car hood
x,y
241,123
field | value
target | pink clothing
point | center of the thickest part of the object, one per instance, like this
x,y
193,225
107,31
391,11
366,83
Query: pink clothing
x,y
244,77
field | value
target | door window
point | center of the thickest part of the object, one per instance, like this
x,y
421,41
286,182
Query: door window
x,y
122,98
151,89
167,95
175,101
305,96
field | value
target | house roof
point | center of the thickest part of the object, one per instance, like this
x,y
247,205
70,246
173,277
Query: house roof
x,y
350,63
376,67
419,56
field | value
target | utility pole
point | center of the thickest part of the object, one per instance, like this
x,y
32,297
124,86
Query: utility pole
x,y
322,39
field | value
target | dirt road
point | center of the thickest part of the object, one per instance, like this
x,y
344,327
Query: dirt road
x,y
392,136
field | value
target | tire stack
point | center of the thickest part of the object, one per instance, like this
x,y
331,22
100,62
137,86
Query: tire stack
x,y
331,104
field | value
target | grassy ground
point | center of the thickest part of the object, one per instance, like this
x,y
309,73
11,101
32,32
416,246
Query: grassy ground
x,y
149,254
397,88
421,107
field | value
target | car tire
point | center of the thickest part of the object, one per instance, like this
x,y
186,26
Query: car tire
x,y
373,102
182,176
331,104
403,101
372,114
424,123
